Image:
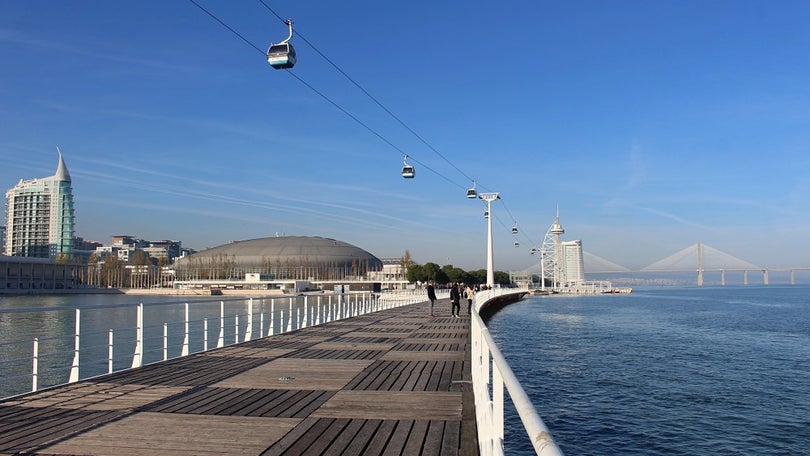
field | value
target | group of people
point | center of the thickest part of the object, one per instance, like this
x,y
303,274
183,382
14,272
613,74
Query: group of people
x,y
456,292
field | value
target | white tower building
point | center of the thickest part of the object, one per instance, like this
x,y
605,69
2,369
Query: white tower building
x,y
573,269
39,216
551,254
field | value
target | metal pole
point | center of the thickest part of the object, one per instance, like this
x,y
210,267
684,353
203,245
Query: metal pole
x,y
249,329
35,365
110,352
184,351
221,338
489,198
74,369
137,359
205,334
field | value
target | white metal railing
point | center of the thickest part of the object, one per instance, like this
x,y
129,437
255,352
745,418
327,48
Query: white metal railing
x,y
490,374
288,313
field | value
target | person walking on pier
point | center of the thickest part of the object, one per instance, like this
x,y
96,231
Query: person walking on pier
x,y
470,292
455,298
431,291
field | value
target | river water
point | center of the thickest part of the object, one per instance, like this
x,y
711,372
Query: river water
x,y
668,371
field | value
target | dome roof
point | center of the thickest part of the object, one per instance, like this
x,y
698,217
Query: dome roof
x,y
292,249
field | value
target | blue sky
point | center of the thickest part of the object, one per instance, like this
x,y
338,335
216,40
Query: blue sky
x,y
653,125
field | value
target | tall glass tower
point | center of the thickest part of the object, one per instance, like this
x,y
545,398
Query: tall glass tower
x,y
39,216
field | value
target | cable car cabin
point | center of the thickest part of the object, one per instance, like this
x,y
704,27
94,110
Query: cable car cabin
x,y
281,56
471,193
486,214
514,230
408,172
517,244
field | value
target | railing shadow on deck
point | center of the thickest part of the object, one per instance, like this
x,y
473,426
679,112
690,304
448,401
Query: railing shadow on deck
x,y
490,374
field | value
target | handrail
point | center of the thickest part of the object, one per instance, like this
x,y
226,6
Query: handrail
x,y
489,407
287,313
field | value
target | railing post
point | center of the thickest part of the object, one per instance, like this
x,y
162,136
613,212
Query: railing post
x,y
261,325
272,330
74,368
35,365
236,329
165,341
205,334
137,358
110,352
289,320
497,403
249,329
184,351
221,338
305,322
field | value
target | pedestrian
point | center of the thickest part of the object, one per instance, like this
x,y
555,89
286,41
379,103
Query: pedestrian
x,y
470,292
431,291
455,298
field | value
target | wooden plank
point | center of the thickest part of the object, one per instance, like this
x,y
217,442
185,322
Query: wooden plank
x,y
451,438
410,355
310,401
288,440
324,438
351,432
396,444
433,439
297,373
416,441
392,405
175,434
376,446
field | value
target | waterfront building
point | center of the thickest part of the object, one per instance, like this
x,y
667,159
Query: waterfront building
x,y
37,275
40,217
282,264
573,265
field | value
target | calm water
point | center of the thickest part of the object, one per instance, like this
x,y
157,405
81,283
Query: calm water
x,y
709,371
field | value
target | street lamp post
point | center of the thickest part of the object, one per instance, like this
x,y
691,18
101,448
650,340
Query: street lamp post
x,y
489,198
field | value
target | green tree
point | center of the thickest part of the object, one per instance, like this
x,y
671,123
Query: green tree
x,y
454,275
415,273
432,271
502,278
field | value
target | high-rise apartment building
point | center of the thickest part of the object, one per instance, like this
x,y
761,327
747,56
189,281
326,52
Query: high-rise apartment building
x,y
39,216
572,262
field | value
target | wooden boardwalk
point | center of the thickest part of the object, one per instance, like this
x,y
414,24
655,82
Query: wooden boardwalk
x,y
392,382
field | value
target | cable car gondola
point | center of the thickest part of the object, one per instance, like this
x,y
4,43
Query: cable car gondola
x,y
517,244
281,56
407,170
514,229
471,193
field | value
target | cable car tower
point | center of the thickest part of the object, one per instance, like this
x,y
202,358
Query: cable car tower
x,y
489,198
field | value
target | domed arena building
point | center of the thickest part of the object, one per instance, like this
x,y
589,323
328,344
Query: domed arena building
x,y
284,263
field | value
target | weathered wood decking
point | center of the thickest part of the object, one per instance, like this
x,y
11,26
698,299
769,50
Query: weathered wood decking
x,y
392,382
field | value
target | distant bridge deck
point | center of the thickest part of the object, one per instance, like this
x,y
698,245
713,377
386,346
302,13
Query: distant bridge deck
x,y
390,382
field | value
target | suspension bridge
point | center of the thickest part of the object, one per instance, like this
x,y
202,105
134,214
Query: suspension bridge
x,y
699,258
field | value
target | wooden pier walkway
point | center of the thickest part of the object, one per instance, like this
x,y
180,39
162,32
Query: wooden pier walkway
x,y
392,382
